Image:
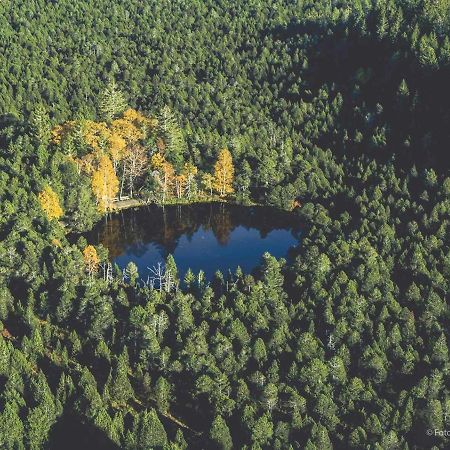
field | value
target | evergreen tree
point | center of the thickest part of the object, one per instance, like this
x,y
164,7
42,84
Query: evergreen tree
x,y
173,143
111,102
40,125
151,432
120,389
220,434
162,394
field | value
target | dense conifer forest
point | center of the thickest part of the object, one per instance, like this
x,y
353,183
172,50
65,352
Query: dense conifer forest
x,y
335,110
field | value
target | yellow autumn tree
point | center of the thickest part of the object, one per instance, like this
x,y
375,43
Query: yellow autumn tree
x,y
105,184
91,259
96,134
117,148
139,119
49,202
189,171
60,132
157,161
127,130
224,173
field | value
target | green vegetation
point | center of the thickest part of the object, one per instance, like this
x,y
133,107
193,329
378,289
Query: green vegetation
x,y
340,106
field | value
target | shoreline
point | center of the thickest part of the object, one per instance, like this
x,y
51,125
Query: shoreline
x,y
137,203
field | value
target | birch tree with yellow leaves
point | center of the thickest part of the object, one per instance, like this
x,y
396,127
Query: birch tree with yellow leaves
x,y
49,202
105,184
224,173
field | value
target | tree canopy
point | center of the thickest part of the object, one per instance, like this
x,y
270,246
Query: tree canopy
x,y
335,111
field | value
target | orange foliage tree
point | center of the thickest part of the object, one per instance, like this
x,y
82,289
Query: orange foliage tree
x,y
91,259
127,130
139,119
157,161
49,202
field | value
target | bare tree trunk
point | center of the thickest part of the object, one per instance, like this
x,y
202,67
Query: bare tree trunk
x,y
122,181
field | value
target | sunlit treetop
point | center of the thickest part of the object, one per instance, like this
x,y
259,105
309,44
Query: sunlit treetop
x,y
49,202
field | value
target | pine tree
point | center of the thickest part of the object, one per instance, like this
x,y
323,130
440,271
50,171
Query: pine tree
x,y
180,441
112,102
151,432
40,125
172,135
262,430
319,438
11,427
269,396
120,389
220,434
132,272
439,352
259,351
39,422
271,268
427,53
171,273
162,393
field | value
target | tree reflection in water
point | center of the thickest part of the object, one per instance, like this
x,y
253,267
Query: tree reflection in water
x,y
199,233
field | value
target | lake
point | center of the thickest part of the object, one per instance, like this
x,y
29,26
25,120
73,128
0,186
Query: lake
x,y
208,237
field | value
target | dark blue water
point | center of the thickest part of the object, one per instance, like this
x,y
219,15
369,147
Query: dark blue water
x,y
208,237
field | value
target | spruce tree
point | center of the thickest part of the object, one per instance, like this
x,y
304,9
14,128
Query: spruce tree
x,y
111,102
121,390
151,432
220,434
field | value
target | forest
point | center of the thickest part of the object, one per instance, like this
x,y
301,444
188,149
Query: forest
x,y
335,110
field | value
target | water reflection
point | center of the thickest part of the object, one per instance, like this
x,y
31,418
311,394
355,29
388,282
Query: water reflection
x,y
210,237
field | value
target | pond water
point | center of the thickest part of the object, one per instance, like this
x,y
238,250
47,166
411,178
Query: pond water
x,y
208,237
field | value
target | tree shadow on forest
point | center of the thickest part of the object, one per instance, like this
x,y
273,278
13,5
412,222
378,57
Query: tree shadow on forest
x,y
9,125
71,433
9,119
335,54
